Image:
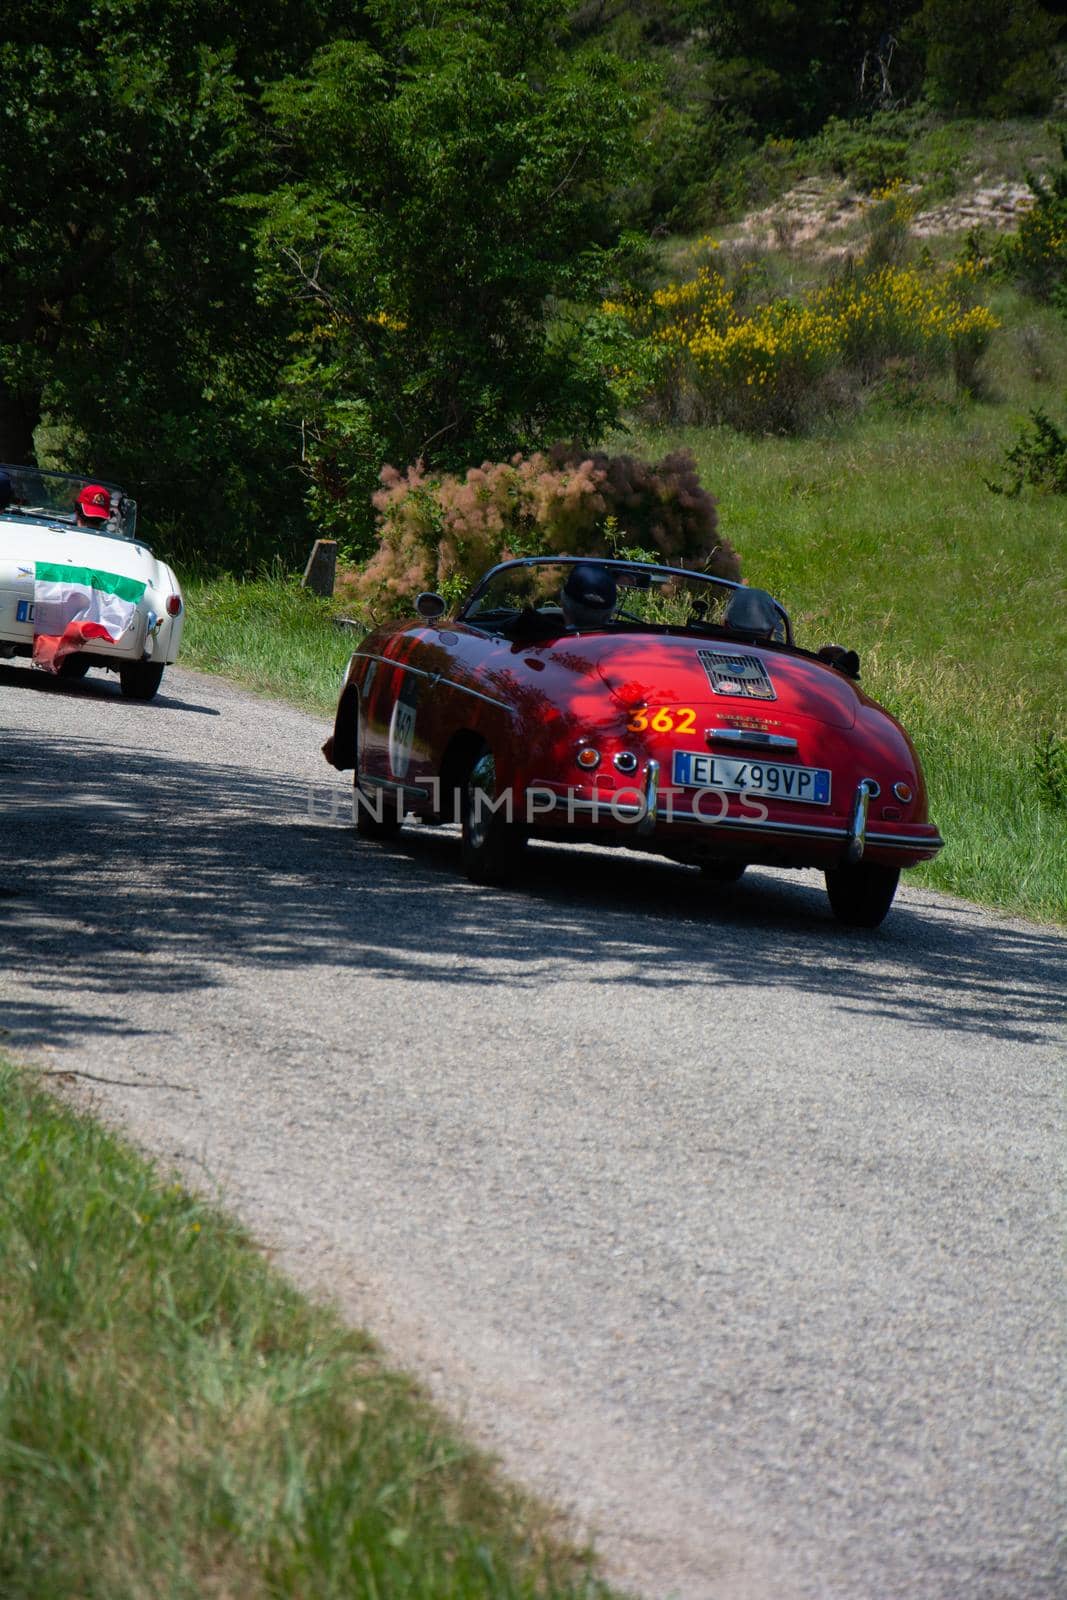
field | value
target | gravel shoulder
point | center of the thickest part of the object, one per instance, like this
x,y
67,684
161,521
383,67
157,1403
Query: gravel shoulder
x,y
737,1234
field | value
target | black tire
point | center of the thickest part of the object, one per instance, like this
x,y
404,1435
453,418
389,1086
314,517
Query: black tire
x,y
862,894
75,666
492,844
140,679
722,871
377,815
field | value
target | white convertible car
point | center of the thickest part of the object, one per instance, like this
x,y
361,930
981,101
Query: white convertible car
x,y
77,587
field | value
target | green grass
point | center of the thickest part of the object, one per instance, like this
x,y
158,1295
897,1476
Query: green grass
x,y
175,1421
268,634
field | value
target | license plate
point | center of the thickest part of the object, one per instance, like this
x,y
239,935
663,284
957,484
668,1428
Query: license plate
x,y
694,770
25,611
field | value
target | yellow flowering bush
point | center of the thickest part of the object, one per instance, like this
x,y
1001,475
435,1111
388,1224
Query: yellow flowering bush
x,y
769,364
902,201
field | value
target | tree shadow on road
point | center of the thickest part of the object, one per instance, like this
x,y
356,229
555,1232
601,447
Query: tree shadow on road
x,y
125,870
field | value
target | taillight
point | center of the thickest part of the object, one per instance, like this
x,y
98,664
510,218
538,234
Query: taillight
x,y
174,605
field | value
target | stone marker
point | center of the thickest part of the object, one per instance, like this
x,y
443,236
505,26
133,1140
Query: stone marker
x,y
322,567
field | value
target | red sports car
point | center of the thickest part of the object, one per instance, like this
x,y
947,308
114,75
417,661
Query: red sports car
x,y
624,702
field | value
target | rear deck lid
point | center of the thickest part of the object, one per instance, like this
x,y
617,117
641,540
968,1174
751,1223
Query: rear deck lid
x,y
718,676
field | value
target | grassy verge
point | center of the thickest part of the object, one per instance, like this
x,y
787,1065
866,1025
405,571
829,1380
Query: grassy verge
x,y
268,634
175,1420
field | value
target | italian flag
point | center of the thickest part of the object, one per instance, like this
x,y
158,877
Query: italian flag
x,y
74,604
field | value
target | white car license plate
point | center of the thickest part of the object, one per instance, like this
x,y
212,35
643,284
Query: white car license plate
x,y
25,611
695,770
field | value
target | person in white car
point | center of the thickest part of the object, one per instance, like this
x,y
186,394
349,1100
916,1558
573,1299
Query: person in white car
x,y
92,507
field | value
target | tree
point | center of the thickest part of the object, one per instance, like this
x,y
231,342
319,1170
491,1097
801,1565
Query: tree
x,y
447,205
789,64
128,316
985,56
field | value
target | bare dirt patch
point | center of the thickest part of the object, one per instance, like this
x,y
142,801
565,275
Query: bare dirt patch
x,y
815,215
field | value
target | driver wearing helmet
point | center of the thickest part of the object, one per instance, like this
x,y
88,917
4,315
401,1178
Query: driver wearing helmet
x,y
588,596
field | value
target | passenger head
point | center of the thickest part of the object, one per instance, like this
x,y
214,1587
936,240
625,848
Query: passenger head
x,y
588,596
93,505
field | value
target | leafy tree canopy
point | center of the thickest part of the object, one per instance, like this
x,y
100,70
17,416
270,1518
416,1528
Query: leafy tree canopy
x,y
987,56
127,309
446,201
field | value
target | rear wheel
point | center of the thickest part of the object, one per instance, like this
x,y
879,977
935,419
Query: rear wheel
x,y
75,666
139,680
861,894
492,842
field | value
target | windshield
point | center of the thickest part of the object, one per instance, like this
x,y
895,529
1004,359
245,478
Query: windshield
x,y
531,593
33,495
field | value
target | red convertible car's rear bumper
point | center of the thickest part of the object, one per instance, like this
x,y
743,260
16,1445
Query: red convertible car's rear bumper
x,y
650,815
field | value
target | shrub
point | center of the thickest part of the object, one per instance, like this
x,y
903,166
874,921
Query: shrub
x,y
775,365
441,531
1036,254
886,220
868,160
1050,769
1038,457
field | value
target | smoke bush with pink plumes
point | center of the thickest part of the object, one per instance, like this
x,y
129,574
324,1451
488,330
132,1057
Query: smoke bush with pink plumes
x,y
441,532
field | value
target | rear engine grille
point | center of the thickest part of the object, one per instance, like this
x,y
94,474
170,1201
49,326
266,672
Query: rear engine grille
x,y
737,675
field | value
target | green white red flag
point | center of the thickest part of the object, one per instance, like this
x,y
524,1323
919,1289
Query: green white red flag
x,y
75,604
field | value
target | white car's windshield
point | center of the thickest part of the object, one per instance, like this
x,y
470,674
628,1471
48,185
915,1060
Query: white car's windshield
x,y
60,500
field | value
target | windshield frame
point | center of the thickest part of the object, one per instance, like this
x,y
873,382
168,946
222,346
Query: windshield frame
x,y
58,492
661,571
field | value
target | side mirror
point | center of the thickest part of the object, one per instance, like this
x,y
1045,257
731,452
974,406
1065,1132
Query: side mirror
x,y
430,606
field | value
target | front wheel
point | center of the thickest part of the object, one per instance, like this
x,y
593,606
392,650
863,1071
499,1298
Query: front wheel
x,y
139,680
379,814
492,841
860,895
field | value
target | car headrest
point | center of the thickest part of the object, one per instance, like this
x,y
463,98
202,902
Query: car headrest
x,y
753,611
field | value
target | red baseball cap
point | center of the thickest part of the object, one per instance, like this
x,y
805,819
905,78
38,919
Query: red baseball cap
x,y
95,502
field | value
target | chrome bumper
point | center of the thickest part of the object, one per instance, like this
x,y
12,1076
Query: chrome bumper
x,y
649,813
857,828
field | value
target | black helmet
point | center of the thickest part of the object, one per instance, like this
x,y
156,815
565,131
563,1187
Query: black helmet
x,y
588,595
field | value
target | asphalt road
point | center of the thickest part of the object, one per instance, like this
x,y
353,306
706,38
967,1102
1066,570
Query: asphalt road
x,y
738,1233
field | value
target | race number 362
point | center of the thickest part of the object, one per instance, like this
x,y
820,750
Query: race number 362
x,y
668,719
